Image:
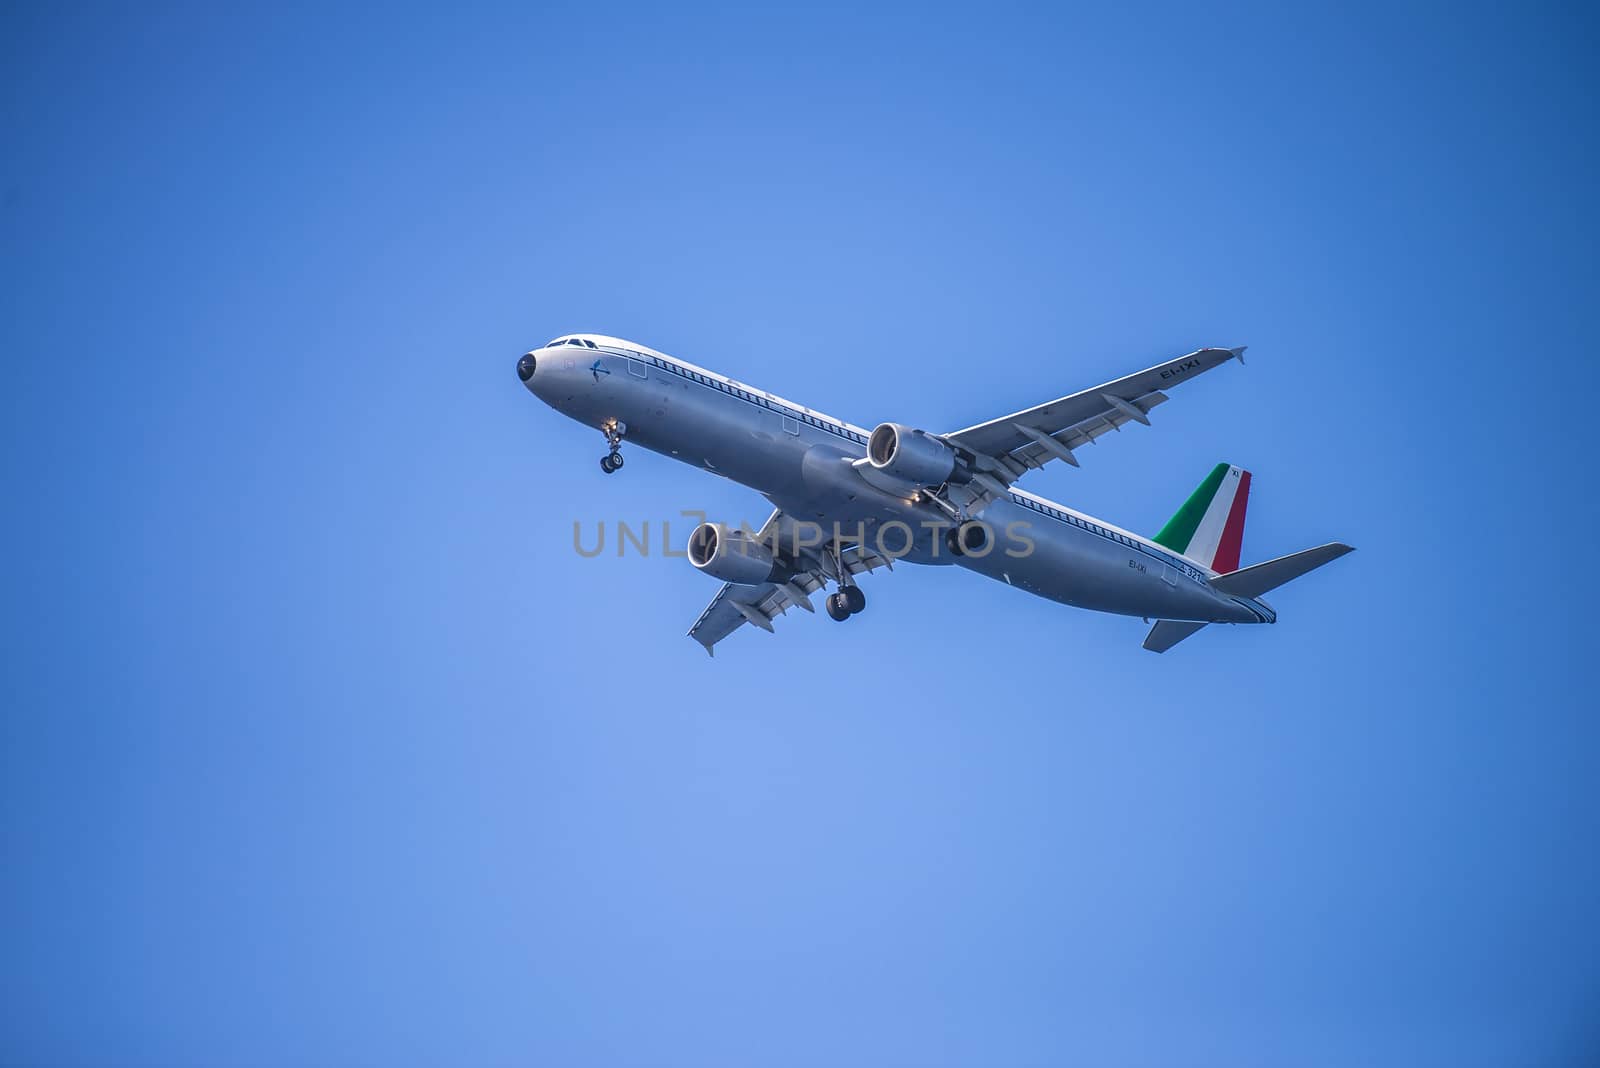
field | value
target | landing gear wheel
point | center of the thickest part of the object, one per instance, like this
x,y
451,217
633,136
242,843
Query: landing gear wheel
x,y
613,431
970,537
854,599
838,609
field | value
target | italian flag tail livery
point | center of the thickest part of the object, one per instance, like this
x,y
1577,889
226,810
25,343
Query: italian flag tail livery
x,y
1209,528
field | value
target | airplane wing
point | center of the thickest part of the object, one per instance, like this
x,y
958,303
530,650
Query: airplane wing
x,y
734,606
1008,447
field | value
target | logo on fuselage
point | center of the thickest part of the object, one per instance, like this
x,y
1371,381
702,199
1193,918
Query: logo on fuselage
x,y
597,370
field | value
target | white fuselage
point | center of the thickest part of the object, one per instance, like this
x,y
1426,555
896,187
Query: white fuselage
x,y
804,463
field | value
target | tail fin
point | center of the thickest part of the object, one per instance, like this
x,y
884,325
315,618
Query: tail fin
x,y
1258,579
1209,528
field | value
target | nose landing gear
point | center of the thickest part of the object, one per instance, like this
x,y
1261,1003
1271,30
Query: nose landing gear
x,y
613,431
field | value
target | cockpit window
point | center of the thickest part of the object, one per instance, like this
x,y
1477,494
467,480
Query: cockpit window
x,y
589,343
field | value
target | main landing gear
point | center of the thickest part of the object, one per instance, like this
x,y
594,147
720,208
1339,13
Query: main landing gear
x,y
849,600
971,536
612,461
846,603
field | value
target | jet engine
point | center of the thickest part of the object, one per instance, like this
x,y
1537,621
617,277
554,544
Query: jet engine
x,y
734,556
915,456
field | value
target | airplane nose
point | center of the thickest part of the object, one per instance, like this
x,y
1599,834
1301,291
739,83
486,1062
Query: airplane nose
x,y
526,366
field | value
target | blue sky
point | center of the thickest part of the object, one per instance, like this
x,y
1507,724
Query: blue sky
x,y
323,747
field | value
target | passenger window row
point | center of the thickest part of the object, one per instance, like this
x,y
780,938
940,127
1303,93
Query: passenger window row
x,y
754,398
1104,533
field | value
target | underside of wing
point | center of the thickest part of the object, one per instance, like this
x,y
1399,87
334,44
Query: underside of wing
x,y
1009,446
758,605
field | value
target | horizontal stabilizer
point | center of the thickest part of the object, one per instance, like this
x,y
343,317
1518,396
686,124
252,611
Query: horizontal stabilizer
x,y
1257,579
1167,633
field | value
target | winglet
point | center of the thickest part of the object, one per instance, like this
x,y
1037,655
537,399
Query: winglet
x,y
1238,353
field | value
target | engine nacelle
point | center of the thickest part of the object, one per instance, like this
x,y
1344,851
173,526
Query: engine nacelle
x,y
734,556
914,456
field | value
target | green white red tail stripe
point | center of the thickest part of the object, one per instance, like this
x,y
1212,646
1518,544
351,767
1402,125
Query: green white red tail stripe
x,y
1209,528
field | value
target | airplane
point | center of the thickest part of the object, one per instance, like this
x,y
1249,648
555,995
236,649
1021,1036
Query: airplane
x,y
849,501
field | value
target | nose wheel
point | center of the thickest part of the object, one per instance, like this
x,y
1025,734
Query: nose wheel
x,y
612,461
